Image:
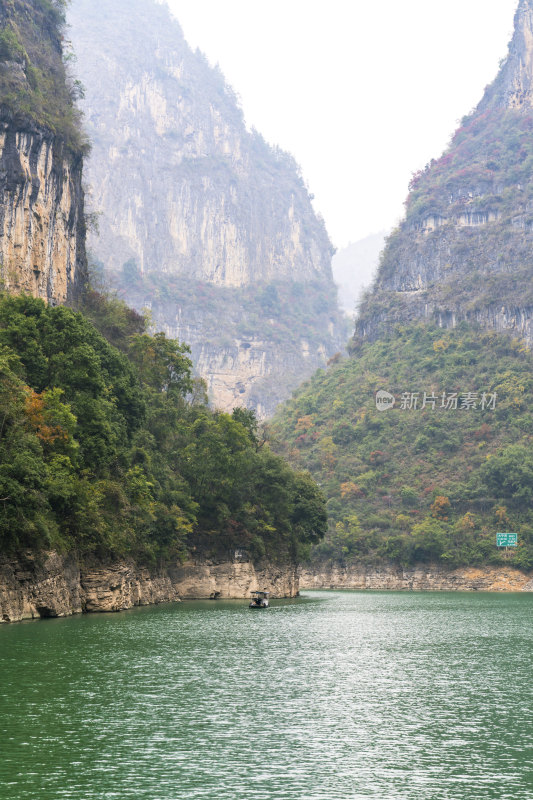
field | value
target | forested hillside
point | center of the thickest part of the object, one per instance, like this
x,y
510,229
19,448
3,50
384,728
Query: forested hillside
x,y
437,475
107,447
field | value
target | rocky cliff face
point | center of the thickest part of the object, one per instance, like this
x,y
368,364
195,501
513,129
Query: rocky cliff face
x,y
427,578
253,344
42,223
42,229
513,88
49,585
188,195
463,251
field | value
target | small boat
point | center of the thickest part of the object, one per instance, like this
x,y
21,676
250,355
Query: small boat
x,y
259,600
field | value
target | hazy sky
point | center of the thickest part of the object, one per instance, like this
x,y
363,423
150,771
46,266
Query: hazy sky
x,y
361,93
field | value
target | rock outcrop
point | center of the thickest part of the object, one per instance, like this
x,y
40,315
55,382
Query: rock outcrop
x,y
513,88
233,579
464,250
193,205
42,219
42,225
36,586
433,577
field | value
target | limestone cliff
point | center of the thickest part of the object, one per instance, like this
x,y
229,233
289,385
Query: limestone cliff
x,y
43,585
464,249
42,249
42,223
193,205
425,577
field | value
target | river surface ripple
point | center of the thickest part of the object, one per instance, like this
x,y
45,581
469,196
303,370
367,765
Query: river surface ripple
x,y
334,696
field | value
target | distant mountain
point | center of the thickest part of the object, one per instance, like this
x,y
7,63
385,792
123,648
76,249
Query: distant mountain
x,y
465,248
355,267
201,220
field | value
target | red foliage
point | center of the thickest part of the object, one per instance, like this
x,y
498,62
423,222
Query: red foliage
x,y
484,433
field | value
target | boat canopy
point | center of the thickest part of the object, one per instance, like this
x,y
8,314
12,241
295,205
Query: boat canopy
x,y
261,594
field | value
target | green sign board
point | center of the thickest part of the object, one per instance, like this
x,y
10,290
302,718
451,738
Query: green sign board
x,y
507,539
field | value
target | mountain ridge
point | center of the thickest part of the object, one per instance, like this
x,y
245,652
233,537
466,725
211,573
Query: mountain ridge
x,y
513,86
463,250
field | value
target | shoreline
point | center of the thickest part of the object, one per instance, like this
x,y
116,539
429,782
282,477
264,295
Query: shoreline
x,y
50,585
424,577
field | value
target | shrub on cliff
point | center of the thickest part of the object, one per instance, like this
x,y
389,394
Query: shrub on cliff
x,y
35,86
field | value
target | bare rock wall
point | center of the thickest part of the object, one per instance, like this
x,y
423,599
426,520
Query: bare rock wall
x,y
52,585
427,577
42,223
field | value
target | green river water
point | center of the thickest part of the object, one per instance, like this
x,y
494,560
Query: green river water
x,y
334,696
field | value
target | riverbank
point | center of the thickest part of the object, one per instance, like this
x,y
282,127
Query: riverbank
x,y
35,586
424,577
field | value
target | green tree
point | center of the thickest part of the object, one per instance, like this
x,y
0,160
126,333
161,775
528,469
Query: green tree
x,y
510,474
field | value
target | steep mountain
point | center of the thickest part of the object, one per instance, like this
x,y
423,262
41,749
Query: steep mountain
x,y
42,223
201,220
354,268
464,250
422,438
119,485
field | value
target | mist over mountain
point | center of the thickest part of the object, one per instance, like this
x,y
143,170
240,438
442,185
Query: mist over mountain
x,y
201,220
354,268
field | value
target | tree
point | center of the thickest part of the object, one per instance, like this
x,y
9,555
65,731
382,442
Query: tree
x,y
440,507
430,540
247,418
162,363
510,474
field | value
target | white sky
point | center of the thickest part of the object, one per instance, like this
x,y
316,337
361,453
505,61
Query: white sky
x,y
361,93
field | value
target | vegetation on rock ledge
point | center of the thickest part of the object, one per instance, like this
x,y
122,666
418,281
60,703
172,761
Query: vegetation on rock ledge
x,y
35,88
